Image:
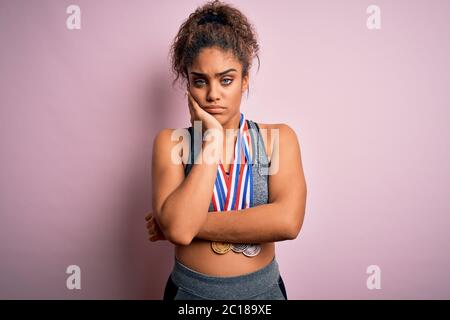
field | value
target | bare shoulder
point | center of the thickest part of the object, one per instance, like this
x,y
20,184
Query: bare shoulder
x,y
169,142
164,135
274,133
163,140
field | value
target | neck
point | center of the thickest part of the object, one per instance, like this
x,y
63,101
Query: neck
x,y
233,122
229,141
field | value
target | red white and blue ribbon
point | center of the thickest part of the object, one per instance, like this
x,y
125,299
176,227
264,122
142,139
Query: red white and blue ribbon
x,y
235,191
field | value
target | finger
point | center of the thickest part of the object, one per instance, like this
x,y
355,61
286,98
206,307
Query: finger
x,y
191,107
194,103
151,230
149,216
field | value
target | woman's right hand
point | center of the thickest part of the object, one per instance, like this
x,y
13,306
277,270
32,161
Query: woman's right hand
x,y
198,114
154,231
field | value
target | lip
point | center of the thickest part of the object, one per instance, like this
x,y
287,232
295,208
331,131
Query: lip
x,y
214,109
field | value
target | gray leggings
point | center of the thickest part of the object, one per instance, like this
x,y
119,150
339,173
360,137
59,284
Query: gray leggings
x,y
187,284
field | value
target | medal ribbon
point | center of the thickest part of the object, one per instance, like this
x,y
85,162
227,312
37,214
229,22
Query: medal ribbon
x,y
235,192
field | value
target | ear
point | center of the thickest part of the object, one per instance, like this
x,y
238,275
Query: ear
x,y
245,81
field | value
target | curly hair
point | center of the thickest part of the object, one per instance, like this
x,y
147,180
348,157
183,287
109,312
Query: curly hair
x,y
213,24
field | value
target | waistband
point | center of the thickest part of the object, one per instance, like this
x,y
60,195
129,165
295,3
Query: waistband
x,y
240,287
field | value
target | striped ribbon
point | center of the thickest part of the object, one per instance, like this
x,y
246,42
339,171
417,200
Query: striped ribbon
x,y
235,191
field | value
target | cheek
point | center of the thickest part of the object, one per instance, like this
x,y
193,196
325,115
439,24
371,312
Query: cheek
x,y
235,92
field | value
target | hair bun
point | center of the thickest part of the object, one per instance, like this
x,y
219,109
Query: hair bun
x,y
213,17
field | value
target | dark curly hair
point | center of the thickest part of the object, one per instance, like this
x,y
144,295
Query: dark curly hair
x,y
214,24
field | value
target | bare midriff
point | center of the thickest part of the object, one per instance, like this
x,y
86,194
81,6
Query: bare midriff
x,y
200,257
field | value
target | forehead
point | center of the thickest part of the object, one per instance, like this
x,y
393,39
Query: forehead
x,y
214,60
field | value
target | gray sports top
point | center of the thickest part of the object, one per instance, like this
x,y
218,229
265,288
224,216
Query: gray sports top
x,y
260,165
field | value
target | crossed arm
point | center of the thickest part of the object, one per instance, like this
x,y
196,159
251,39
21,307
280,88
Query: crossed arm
x,y
264,223
281,218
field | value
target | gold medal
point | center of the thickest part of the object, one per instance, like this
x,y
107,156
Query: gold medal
x,y
220,247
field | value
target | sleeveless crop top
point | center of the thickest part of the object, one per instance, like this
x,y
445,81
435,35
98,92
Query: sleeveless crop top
x,y
260,166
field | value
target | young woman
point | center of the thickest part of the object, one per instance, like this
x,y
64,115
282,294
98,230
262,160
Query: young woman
x,y
221,215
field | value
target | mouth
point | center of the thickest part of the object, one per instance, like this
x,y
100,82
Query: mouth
x,y
214,109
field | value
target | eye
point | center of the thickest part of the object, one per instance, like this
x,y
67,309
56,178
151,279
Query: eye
x,y
196,82
226,79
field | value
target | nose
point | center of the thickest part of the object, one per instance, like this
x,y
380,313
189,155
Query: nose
x,y
213,93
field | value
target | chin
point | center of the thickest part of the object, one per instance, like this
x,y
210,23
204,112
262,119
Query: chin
x,y
220,117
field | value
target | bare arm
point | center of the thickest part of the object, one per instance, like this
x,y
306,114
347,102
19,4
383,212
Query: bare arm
x,y
180,204
264,223
280,219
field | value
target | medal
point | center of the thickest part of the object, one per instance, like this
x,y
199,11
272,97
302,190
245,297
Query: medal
x,y
234,191
220,247
252,250
239,247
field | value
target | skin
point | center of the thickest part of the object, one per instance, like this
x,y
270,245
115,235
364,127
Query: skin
x,y
280,219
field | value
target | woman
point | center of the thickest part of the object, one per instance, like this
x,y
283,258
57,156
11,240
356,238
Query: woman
x,y
221,215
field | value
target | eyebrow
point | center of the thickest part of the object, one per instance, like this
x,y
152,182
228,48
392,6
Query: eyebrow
x,y
217,74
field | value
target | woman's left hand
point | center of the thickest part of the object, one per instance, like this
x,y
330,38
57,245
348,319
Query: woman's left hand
x,y
154,231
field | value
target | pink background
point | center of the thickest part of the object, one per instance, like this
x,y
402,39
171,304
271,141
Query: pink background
x,y
79,110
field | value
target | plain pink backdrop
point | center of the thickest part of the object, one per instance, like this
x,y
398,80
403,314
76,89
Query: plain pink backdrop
x,y
79,110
